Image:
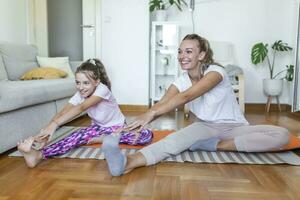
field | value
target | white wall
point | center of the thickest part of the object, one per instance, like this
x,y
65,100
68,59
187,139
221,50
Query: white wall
x,y
13,21
125,53
243,23
125,38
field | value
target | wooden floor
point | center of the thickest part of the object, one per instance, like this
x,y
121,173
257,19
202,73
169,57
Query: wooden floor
x,y
89,179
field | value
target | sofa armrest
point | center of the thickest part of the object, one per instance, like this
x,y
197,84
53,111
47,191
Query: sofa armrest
x,y
75,64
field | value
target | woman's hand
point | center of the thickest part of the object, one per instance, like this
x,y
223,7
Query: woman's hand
x,y
46,133
141,121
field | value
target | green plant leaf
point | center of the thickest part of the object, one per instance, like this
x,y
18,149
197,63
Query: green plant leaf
x,y
151,8
156,5
280,46
289,72
178,3
259,52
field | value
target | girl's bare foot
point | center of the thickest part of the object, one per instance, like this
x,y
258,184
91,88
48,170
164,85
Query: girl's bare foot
x,y
32,157
25,146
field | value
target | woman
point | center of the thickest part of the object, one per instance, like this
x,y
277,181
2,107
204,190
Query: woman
x,y
206,88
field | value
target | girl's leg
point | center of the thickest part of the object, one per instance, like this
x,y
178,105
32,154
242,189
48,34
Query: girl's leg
x,y
143,137
77,138
257,138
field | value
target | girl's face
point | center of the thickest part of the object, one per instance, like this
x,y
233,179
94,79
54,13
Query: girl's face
x,y
189,54
84,85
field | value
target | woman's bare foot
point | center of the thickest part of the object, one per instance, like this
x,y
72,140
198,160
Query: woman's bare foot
x,y
133,161
32,157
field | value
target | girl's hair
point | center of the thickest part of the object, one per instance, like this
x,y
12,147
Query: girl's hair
x,y
94,69
203,45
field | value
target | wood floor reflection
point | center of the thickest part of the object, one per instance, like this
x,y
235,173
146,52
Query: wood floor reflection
x,y
85,179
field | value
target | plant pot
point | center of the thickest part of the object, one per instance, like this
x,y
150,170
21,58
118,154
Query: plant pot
x,y
272,87
160,15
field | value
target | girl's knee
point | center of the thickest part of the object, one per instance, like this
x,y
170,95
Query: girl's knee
x,y
144,137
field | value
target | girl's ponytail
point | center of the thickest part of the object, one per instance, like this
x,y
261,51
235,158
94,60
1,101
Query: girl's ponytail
x,y
102,73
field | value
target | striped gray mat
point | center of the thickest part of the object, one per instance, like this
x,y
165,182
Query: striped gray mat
x,y
287,157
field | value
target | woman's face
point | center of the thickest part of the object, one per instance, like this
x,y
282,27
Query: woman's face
x,y
189,54
84,85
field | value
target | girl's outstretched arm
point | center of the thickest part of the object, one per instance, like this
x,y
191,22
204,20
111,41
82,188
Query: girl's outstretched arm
x,y
67,113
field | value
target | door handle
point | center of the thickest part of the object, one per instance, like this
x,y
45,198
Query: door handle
x,y
87,26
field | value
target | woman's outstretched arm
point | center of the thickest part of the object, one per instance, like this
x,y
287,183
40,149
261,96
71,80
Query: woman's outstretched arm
x,y
209,81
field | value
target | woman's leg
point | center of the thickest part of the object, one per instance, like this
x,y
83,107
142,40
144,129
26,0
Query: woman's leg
x,y
178,142
258,138
170,145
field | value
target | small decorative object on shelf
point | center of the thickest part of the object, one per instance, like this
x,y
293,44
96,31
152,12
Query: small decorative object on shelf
x,y
164,65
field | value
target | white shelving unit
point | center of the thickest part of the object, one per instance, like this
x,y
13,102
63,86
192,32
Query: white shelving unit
x,y
164,64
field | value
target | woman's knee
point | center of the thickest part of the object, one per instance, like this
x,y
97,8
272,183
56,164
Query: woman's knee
x,y
282,136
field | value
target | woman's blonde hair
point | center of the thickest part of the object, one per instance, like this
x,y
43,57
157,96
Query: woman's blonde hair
x,y
94,69
204,46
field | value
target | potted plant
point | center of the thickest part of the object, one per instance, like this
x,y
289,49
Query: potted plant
x,y
273,85
160,7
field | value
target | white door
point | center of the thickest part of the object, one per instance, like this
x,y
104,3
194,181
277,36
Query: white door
x,y
91,18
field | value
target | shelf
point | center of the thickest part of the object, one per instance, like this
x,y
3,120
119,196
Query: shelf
x,y
166,51
164,63
165,75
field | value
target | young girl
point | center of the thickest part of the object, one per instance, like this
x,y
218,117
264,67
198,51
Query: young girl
x,y
206,88
94,96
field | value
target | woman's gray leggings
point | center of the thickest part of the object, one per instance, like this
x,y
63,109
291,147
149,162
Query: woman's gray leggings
x,y
247,138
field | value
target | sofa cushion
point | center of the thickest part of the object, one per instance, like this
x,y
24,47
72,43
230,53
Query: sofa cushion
x,y
18,58
3,74
44,73
18,94
61,63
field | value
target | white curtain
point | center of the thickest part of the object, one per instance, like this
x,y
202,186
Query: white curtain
x,y
296,87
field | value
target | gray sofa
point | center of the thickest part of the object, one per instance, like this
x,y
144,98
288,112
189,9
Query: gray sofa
x,y
27,106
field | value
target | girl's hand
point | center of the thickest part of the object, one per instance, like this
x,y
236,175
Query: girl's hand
x,y
141,121
46,133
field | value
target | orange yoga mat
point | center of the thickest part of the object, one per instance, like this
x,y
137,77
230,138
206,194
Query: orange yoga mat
x,y
294,141
157,135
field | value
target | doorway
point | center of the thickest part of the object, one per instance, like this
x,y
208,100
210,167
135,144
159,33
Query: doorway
x,y
64,31
65,28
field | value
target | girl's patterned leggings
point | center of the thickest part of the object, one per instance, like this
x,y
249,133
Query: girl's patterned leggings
x,y
83,135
